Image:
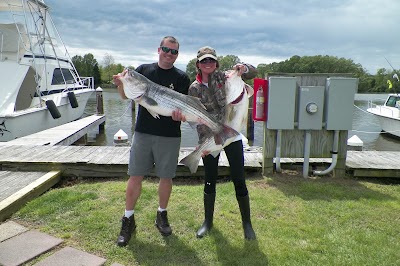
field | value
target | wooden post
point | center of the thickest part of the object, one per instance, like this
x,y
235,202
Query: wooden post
x,y
100,106
340,169
250,123
133,107
99,101
269,152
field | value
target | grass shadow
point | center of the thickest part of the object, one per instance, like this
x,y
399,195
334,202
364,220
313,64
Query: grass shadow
x,y
327,188
168,251
248,254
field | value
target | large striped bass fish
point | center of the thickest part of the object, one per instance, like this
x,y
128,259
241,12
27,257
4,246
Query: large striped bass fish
x,y
160,100
237,105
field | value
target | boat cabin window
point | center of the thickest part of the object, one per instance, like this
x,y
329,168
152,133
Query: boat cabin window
x,y
58,78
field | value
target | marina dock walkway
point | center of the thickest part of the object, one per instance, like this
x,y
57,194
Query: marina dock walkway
x,y
66,134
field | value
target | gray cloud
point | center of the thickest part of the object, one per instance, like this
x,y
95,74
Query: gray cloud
x,y
256,31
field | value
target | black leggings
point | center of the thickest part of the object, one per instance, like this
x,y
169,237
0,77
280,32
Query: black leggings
x,y
234,153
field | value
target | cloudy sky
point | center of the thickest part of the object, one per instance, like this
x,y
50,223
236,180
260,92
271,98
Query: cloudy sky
x,y
263,31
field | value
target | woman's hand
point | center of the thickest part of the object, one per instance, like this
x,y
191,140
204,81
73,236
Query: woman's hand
x,y
241,69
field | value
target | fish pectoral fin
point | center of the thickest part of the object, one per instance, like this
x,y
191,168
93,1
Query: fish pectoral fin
x,y
154,114
150,101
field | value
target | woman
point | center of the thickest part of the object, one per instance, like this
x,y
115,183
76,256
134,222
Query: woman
x,y
209,87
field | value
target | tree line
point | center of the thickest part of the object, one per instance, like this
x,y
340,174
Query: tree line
x,y
384,81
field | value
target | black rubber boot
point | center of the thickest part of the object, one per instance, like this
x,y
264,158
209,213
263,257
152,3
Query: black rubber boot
x,y
244,205
209,200
128,226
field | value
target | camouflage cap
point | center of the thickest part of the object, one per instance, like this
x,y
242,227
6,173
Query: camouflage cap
x,y
205,52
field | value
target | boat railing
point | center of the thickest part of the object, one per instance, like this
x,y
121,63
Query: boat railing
x,y
371,104
83,83
87,82
382,109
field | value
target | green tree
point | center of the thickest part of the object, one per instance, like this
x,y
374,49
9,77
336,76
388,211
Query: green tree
x,y
96,75
191,69
225,63
87,66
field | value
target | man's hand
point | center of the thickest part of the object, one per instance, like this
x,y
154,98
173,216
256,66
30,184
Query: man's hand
x,y
118,83
178,116
116,78
205,153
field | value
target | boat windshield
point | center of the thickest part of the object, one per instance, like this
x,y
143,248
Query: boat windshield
x,y
393,101
60,74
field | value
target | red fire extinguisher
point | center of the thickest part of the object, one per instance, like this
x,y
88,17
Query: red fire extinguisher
x,y
260,99
259,104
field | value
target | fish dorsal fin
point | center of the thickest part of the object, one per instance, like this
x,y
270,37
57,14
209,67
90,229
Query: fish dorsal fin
x,y
250,90
197,100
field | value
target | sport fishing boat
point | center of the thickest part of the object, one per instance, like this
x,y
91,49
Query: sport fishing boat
x,y
39,85
388,114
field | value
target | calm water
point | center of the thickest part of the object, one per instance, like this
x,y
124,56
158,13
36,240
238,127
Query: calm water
x,y
119,116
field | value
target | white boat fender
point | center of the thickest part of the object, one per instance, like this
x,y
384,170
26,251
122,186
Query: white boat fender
x,y
121,138
72,99
53,109
355,143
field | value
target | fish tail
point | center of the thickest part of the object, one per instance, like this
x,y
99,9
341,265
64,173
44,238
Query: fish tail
x,y
225,134
191,161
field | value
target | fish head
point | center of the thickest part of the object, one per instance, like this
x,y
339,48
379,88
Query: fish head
x,y
134,83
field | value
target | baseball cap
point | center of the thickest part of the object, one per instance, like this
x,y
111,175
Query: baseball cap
x,y
205,52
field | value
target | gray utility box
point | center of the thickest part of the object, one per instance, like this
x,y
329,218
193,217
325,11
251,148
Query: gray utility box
x,y
281,102
311,107
339,102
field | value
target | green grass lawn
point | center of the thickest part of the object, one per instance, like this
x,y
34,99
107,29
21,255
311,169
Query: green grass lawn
x,y
323,221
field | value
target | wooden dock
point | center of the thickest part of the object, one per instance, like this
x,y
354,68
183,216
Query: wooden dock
x,y
16,187
110,161
95,161
66,134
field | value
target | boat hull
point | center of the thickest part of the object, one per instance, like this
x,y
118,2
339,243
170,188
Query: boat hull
x,y
388,119
32,120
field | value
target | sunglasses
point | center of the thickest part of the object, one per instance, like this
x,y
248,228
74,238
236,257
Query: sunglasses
x,y
208,60
166,50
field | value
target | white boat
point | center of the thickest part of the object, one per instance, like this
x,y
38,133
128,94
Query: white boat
x,y
388,114
39,85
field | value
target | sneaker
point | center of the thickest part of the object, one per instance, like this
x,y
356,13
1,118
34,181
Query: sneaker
x,y
128,226
162,223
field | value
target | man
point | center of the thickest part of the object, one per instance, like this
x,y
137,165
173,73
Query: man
x,y
156,142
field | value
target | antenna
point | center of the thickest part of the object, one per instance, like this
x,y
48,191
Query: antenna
x,y
390,64
395,76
